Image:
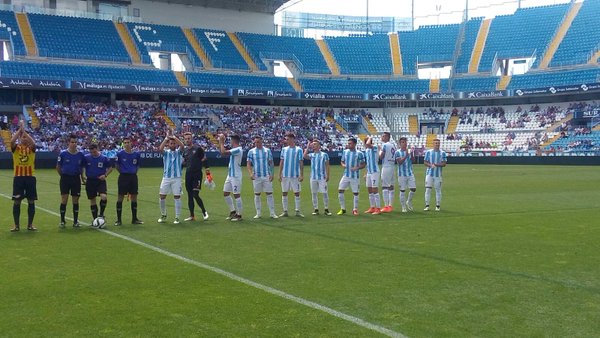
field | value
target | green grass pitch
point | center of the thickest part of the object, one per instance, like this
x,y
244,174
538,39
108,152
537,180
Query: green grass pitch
x,y
514,252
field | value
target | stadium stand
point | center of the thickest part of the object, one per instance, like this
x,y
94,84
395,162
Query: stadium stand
x,y
256,82
474,83
363,54
9,30
466,48
55,71
582,37
366,86
555,78
103,124
525,33
304,52
161,38
582,139
220,49
427,44
80,38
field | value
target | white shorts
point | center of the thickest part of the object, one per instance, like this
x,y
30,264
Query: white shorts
x,y
233,184
318,186
171,186
387,176
407,182
346,182
290,183
433,182
262,184
372,180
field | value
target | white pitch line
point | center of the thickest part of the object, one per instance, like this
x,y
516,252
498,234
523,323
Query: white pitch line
x,y
355,320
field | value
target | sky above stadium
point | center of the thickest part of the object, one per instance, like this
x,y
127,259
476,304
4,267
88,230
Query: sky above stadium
x,y
427,12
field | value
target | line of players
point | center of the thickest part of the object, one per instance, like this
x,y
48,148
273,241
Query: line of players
x,y
94,168
261,170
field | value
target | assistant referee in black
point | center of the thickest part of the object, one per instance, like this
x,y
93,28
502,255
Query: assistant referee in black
x,y
193,159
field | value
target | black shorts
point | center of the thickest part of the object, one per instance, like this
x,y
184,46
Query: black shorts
x,y
94,187
128,184
24,187
70,184
193,182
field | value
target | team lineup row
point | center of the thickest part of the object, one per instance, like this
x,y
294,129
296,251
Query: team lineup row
x,y
94,168
396,163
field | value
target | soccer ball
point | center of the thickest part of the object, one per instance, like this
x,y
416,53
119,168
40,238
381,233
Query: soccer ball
x,y
99,223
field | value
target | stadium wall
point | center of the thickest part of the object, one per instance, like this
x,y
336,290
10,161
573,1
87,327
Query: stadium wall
x,y
202,17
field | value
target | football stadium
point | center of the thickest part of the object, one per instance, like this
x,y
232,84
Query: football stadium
x,y
302,168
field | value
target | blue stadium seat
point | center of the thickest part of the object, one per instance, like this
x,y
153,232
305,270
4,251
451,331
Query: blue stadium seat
x,y
257,82
472,83
304,50
427,44
53,71
522,34
77,38
220,50
582,37
162,38
466,48
366,86
9,30
548,79
362,55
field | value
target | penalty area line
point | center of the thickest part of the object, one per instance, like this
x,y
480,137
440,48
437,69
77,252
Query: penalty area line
x,y
299,300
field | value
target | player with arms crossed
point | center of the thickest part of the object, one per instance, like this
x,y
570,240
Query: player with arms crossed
x,y
233,182
435,160
127,164
319,175
388,163
193,160
69,166
352,162
291,173
372,177
24,181
406,177
260,167
171,148
97,169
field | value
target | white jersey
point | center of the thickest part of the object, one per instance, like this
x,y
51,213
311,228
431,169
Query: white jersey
x,y
235,163
388,149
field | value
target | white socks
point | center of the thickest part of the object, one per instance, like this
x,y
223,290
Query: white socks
x,y
163,206
342,199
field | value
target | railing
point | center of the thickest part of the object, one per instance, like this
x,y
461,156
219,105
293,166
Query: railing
x,y
556,31
457,48
284,57
76,14
210,59
43,52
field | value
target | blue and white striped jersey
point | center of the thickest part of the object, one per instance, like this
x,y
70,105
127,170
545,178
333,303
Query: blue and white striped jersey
x,y
262,161
372,157
406,168
433,156
292,157
352,159
318,163
235,162
389,150
172,160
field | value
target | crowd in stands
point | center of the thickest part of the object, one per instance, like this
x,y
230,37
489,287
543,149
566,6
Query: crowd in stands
x,y
99,123
274,122
107,124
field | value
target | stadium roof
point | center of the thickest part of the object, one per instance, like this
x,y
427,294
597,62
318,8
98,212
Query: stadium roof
x,y
260,6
